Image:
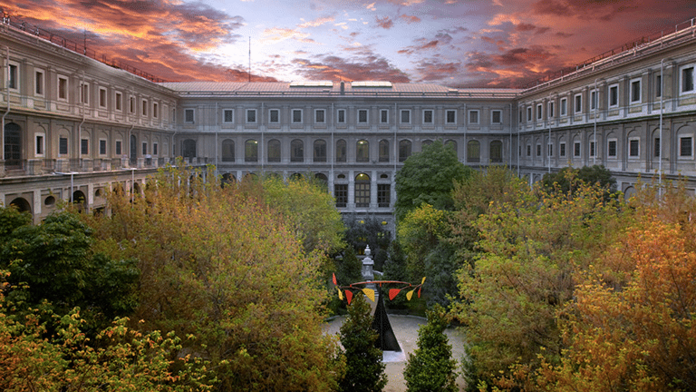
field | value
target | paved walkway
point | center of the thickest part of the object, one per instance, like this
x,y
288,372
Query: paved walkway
x,y
406,331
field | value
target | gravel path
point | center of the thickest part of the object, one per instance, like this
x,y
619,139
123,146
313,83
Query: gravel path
x,y
406,331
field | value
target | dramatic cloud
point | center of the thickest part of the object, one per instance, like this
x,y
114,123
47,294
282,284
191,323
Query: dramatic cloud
x,y
367,67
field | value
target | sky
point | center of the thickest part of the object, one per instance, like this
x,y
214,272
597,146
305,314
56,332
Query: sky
x,y
456,43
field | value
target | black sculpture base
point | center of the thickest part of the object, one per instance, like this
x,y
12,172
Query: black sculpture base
x,y
386,340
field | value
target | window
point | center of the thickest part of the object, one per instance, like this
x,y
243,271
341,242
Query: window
x,y
341,116
274,116
13,77
473,151
63,146
405,116
633,148
564,106
320,116
362,116
576,149
687,79
539,112
384,150
227,116
119,99
84,93
119,147
383,195
593,100
251,149
611,149
62,88
155,109
549,150
635,91
562,149
40,144
131,105
144,105
189,116
592,149
84,146
362,151
39,83
453,145
538,150
296,116
614,95
496,117
319,151
144,148
154,148
296,151
578,103
658,86
529,150
102,97
550,109
362,190
384,116
341,194
251,116
473,116
273,150
686,146
228,150
341,151
496,151
404,150
656,145
427,116
529,114
188,147
451,117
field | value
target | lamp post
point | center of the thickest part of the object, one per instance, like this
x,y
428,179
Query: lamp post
x,y
72,183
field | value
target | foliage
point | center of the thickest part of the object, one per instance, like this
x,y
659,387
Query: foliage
x,y
431,367
395,269
568,180
222,265
364,366
55,262
419,233
125,360
369,231
428,177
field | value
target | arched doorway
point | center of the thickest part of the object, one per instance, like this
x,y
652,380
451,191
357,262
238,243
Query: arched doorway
x,y
362,190
13,145
79,200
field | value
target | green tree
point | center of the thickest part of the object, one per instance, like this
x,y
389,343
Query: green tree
x,y
428,177
368,231
364,366
568,180
431,367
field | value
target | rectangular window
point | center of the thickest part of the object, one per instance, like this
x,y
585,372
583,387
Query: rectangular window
x,y
297,116
251,116
539,112
131,105
405,116
144,111
656,145
384,116
635,91
427,116
538,150
687,79
578,103
549,151
144,148
529,114
227,116
155,148
62,88
383,195
473,116
529,150
13,77
496,117
84,93
102,97
593,100
84,146
63,146
119,151
341,194
633,148
39,83
341,116
102,147
592,149
658,86
564,106
189,116
611,149
613,95
362,116
576,149
274,116
119,99
550,109
39,144
685,147
562,149
451,117
320,116
155,109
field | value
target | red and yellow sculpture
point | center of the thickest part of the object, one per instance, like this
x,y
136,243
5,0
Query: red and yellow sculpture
x,y
370,293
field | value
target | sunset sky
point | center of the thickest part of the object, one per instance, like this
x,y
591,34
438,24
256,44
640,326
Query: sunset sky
x,y
458,43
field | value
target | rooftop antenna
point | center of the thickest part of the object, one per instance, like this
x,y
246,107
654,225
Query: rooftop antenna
x,y
249,72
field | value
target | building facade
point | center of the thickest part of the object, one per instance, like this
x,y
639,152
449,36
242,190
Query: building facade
x,y
73,126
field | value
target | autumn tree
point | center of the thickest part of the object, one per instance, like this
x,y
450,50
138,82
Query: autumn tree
x,y
364,366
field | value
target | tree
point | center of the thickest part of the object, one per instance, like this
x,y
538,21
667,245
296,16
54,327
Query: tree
x,y
568,180
369,231
428,177
431,366
364,366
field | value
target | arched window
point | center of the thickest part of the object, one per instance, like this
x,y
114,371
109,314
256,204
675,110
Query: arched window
x,y
297,151
21,203
341,151
426,142
13,145
228,150
251,151
362,190
496,152
319,150
189,148
80,201
384,150
451,144
473,151
404,150
362,151
274,150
